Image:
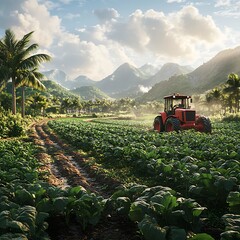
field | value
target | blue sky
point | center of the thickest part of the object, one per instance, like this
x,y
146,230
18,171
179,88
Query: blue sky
x,y
94,37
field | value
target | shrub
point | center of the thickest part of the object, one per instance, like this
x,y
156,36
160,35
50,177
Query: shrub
x,y
232,118
12,125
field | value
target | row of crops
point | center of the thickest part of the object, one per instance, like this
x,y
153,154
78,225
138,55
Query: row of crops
x,y
198,174
27,201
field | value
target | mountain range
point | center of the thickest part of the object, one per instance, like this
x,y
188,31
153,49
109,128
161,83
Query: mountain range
x,y
129,81
125,81
206,77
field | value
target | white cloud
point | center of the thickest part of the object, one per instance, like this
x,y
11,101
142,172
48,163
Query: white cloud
x,y
175,1
144,89
32,16
192,24
228,8
83,58
98,50
221,3
69,53
106,14
173,35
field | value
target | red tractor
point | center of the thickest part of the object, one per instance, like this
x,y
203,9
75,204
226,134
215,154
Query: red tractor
x,y
178,115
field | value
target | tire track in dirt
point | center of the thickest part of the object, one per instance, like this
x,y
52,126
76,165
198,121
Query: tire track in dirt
x,y
66,167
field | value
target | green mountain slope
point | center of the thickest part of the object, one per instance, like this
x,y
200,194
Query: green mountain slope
x,y
90,93
205,77
52,89
57,90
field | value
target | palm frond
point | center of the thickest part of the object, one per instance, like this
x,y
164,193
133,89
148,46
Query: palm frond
x,y
34,61
22,44
10,41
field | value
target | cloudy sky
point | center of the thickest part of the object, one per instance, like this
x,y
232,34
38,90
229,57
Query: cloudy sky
x,y
94,37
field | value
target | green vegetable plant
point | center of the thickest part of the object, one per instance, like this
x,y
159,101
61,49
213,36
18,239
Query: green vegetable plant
x,y
232,219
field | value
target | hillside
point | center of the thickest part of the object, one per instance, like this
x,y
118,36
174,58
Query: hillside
x,y
52,89
57,90
215,71
205,77
90,93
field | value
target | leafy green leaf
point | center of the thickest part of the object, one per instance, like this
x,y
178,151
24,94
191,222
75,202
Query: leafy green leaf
x,y
59,204
123,205
18,226
233,200
175,233
197,211
22,196
45,205
13,236
4,219
165,200
150,229
230,235
76,191
138,210
201,236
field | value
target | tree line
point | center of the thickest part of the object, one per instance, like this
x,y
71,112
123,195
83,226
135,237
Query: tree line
x,y
226,97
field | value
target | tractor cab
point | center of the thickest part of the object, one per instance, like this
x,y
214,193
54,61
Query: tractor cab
x,y
175,101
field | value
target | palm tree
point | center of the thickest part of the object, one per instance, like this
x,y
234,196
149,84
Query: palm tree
x,y
76,104
38,103
217,96
233,88
4,74
18,60
29,79
66,104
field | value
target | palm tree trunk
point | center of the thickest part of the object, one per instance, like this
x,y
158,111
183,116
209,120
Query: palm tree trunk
x,y
14,105
23,101
237,101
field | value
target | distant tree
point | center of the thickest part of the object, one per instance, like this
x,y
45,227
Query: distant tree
x,y
5,100
106,105
66,105
214,98
76,104
37,104
233,89
126,104
88,105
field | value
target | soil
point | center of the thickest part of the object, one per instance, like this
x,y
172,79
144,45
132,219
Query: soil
x,y
68,168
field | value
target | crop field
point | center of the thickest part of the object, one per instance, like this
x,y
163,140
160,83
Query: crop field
x,y
170,186
202,171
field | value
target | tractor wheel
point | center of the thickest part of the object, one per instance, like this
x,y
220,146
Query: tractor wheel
x,y
158,124
204,125
172,124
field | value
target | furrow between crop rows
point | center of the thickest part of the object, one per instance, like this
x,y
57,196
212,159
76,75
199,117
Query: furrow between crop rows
x,y
68,166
